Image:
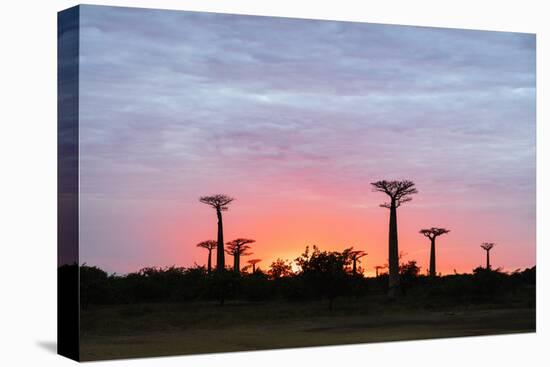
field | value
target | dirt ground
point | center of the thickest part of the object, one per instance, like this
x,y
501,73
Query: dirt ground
x,y
128,333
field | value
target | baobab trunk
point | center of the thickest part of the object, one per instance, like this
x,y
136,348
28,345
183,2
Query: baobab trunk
x,y
354,270
393,291
209,261
432,258
488,264
236,263
220,265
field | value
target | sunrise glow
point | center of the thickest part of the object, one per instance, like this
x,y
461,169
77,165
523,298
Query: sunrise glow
x,y
295,120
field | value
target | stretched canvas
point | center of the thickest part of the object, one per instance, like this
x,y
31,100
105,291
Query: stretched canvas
x,y
232,182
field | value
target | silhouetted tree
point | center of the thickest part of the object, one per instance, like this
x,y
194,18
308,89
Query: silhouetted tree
x,y
409,269
325,271
432,234
253,262
220,203
378,267
487,246
92,279
399,192
355,255
409,274
324,275
238,248
280,268
209,245
224,285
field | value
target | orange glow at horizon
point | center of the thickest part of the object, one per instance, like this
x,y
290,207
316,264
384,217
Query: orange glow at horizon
x,y
284,230
283,224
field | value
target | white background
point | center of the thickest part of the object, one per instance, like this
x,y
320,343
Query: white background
x,y
28,182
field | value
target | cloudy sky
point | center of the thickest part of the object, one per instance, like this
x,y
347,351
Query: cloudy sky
x,y
294,118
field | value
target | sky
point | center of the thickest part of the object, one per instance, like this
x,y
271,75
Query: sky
x,y
294,119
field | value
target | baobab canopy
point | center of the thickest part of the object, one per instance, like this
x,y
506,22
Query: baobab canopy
x,y
218,202
399,192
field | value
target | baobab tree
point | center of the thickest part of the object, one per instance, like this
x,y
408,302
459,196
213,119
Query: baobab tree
x,y
355,255
220,203
432,234
377,268
487,246
209,245
399,192
253,262
238,248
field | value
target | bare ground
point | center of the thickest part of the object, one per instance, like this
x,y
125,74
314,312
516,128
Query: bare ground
x,y
108,333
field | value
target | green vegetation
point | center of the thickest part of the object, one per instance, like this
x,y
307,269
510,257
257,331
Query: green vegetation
x,y
323,276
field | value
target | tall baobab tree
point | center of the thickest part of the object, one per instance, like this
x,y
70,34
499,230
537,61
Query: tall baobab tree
x,y
432,234
238,248
487,246
253,262
209,245
220,203
399,192
377,268
355,255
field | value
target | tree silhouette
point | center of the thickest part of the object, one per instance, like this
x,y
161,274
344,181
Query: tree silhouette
x,y
409,269
378,267
324,275
487,246
209,245
280,268
220,203
91,280
253,262
238,248
355,255
325,271
432,234
399,192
